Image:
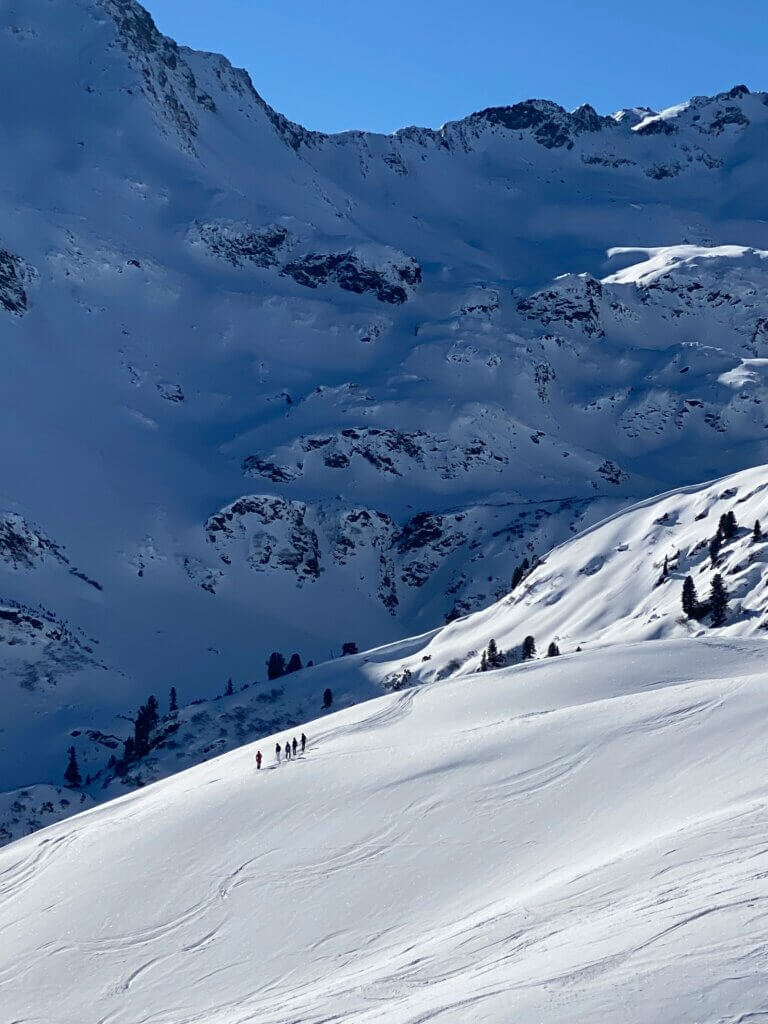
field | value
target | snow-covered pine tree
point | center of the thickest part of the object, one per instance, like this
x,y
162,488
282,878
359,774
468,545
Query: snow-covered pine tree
x,y
718,601
173,703
529,648
72,775
484,662
230,689
690,599
327,697
553,650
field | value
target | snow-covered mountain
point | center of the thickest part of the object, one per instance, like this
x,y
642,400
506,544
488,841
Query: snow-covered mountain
x,y
579,839
265,388
618,582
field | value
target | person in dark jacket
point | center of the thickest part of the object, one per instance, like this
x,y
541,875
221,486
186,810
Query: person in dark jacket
x,y
303,742
294,745
287,750
277,752
258,759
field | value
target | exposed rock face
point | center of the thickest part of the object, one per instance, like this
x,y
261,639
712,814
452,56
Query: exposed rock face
x,y
14,275
241,244
277,533
390,452
166,78
38,649
550,124
391,278
572,303
23,547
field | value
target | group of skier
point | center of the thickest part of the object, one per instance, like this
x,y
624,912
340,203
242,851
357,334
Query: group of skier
x,y
291,750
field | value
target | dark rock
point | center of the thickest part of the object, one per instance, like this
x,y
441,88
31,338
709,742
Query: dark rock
x,y
13,295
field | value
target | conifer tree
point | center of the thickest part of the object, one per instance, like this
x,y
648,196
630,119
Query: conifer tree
x,y
173,704
129,749
141,732
153,712
495,659
484,662
72,775
294,664
275,665
327,698
520,572
718,601
230,689
714,547
690,598
349,648
757,532
553,650
529,648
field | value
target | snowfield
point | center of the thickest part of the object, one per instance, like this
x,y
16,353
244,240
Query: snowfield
x,y
577,839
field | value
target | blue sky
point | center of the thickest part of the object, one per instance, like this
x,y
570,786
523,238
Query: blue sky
x,y
342,64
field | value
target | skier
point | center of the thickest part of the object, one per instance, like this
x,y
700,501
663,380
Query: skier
x,y
303,742
258,759
287,750
277,752
294,745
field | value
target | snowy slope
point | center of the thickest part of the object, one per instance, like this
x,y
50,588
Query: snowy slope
x,y
267,388
566,841
610,586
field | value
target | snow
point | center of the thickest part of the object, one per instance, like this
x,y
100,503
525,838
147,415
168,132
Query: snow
x,y
166,359
607,585
578,839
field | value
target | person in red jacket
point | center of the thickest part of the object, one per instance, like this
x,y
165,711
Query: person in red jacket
x,y
258,759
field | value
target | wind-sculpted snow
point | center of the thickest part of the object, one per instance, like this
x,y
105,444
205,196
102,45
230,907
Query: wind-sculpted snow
x,y
580,840
269,389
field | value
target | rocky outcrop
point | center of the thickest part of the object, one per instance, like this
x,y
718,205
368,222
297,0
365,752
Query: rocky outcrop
x,y
389,275
548,123
276,531
240,244
24,547
15,274
573,302
391,452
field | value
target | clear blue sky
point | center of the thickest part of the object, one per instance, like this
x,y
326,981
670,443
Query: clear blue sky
x,y
338,64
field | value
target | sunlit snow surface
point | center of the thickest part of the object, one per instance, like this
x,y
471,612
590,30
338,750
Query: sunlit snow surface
x,y
578,839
